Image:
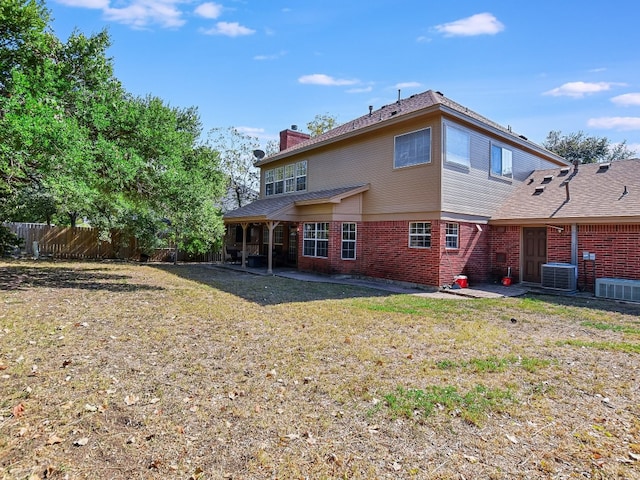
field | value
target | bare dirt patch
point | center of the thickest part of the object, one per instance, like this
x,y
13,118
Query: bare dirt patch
x,y
157,371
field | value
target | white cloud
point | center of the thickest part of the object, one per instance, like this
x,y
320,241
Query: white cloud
x,y
617,123
229,29
85,3
257,132
408,85
479,24
322,79
360,90
273,56
628,99
208,10
141,13
423,39
634,147
580,89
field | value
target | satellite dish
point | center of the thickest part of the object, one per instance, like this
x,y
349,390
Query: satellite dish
x,y
259,154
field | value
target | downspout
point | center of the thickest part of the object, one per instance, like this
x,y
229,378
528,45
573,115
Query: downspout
x,y
574,248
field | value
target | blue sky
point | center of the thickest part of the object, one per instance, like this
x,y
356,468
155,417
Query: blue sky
x,y
262,66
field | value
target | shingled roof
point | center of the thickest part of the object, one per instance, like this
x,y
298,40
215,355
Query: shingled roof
x,y
276,207
404,108
598,192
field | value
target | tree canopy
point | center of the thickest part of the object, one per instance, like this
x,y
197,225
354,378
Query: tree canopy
x,y
74,144
583,148
322,123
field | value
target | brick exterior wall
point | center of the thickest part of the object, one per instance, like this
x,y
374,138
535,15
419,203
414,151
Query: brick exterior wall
x,y
617,250
382,251
504,248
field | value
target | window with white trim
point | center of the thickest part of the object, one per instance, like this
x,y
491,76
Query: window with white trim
x,y
286,179
451,235
412,148
501,161
420,235
457,145
315,240
348,241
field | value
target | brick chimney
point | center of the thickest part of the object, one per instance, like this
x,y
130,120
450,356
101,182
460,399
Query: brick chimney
x,y
291,136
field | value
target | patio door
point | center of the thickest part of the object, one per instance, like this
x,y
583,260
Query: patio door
x,y
534,253
292,257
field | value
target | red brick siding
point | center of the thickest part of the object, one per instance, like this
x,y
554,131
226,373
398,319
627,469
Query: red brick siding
x,y
559,244
617,250
382,251
504,246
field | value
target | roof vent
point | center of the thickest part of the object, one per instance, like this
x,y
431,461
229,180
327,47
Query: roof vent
x,y
604,167
523,137
547,178
440,93
539,190
564,171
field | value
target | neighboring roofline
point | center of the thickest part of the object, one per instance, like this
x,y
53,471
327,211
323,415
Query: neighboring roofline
x,y
567,220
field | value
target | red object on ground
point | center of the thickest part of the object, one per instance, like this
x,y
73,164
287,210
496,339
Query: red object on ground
x,y
461,280
506,281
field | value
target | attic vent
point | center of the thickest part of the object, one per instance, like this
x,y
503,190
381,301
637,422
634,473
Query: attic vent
x,y
603,167
523,137
539,190
547,178
564,171
394,112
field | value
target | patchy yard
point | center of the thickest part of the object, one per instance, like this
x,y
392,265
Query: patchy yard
x,y
154,371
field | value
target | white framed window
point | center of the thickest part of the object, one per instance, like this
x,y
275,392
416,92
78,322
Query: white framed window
x,y
452,231
457,144
501,161
412,148
420,235
349,241
287,179
315,240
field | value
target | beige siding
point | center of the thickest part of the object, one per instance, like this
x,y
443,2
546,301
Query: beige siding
x,y
474,191
368,159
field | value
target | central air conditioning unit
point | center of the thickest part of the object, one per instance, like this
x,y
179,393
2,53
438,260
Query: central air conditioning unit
x,y
618,289
559,276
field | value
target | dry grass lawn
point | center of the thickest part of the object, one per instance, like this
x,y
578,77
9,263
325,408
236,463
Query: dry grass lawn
x,y
126,371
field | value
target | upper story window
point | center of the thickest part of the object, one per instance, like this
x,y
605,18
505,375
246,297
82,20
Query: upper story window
x,y
286,179
457,145
501,161
412,148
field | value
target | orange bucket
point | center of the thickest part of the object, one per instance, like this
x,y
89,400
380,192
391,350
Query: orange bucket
x,y
506,281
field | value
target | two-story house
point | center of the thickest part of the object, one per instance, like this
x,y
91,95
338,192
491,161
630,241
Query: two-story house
x,y
405,192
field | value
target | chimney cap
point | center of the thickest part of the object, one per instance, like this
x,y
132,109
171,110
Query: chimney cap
x,y
294,127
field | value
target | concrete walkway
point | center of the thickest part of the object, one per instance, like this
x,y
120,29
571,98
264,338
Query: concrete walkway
x,y
475,291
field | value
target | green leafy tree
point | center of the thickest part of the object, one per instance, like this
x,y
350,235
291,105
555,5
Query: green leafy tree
x,y
321,124
74,144
585,149
236,150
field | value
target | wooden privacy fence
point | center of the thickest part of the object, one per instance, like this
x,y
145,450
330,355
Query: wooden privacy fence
x,y
83,243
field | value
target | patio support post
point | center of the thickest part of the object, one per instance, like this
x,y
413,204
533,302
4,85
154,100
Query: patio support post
x,y
271,225
244,225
